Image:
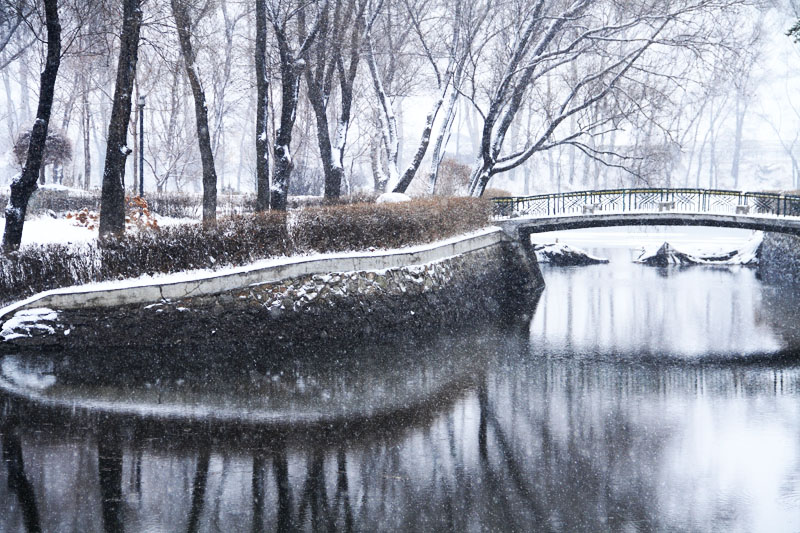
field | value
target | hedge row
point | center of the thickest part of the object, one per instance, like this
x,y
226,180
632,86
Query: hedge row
x,y
168,204
239,240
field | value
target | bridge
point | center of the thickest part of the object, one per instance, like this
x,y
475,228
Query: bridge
x,y
523,216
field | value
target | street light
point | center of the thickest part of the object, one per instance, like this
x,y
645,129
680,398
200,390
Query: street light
x,y
141,146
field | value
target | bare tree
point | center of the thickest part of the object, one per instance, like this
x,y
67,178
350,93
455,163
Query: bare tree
x,y
112,215
262,108
380,81
335,55
292,49
13,16
23,187
467,21
184,23
610,41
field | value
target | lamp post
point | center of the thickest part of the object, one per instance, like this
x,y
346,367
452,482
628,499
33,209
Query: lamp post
x,y
141,146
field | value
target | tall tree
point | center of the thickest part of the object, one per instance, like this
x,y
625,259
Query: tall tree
x,y
184,23
335,55
23,187
262,108
292,65
112,214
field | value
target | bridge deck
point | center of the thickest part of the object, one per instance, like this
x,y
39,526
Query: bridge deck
x,y
518,227
649,207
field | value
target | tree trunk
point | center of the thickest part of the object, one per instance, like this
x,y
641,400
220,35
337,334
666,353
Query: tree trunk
x,y
135,134
11,106
262,109
24,93
291,70
23,187
439,146
741,111
388,120
184,25
85,125
379,177
112,215
333,175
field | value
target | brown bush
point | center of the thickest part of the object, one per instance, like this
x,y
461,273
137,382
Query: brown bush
x,y
495,193
238,240
453,178
230,241
364,226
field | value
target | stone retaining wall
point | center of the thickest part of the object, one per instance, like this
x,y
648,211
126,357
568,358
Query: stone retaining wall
x,y
780,258
492,280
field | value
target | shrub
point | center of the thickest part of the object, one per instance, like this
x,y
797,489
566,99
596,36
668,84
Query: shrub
x,y
190,205
238,240
364,226
230,241
38,268
453,178
495,193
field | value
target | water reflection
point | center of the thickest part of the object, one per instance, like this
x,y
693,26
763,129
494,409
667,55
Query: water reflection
x,y
18,483
533,427
632,312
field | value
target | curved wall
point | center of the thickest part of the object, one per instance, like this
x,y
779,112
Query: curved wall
x,y
285,303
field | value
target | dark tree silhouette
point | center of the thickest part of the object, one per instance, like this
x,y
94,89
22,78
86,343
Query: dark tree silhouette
x,y
23,187
183,21
112,215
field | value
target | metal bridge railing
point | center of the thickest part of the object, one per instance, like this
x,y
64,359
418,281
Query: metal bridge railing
x,y
648,201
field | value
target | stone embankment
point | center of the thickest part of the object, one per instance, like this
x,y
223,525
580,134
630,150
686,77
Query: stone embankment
x,y
780,258
300,301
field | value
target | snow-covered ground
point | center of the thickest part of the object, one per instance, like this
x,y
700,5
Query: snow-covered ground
x,y
48,230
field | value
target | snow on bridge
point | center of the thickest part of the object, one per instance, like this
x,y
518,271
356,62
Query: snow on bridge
x,y
521,216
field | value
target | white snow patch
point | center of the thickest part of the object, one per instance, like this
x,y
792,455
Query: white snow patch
x,y
747,254
49,230
392,198
25,322
54,187
564,253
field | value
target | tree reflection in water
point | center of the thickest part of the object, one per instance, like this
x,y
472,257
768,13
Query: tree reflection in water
x,y
18,483
109,467
536,439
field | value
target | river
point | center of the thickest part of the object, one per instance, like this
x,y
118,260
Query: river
x,y
632,398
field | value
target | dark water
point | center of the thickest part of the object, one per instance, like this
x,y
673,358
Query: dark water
x,y
635,399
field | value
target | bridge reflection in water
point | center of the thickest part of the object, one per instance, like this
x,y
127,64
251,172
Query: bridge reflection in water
x,y
531,427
